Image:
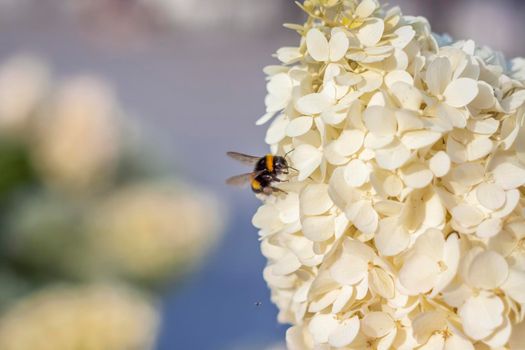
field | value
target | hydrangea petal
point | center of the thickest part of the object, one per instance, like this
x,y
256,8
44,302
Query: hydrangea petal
x,y
489,228
306,158
420,139
371,32
488,270
338,46
321,326
461,92
416,175
345,332
481,315
377,324
356,173
315,199
317,45
438,75
349,269
391,238
318,228
440,164
380,120
490,196
419,274
365,8
313,104
514,287
299,126
393,157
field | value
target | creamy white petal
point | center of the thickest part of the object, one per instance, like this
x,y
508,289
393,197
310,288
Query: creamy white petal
x,y
318,228
514,287
420,139
440,164
366,8
313,104
380,120
481,315
363,216
357,173
391,238
489,228
438,75
479,148
407,96
451,115
501,335
345,333
315,200
449,264
509,175
299,126
350,141
416,175
485,126
371,32
467,215
398,75
277,130
338,45
485,98
377,324
491,196
289,55
347,292
306,158
295,339
419,274
392,157
317,45
488,270
381,283
461,92
322,326
286,265
349,269
426,323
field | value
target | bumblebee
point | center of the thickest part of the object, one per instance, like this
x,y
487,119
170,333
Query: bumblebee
x,y
265,173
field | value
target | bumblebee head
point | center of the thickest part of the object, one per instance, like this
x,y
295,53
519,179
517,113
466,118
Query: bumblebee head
x,y
280,165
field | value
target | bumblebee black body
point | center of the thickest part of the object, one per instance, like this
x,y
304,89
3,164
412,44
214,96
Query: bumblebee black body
x,y
274,165
261,181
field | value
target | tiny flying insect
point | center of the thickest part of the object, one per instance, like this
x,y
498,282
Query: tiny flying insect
x,y
265,173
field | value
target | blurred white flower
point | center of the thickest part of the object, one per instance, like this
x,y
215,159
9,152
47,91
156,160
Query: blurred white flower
x,y
23,87
78,139
151,232
403,226
90,318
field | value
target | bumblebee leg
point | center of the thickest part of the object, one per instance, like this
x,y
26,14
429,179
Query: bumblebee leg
x,y
278,190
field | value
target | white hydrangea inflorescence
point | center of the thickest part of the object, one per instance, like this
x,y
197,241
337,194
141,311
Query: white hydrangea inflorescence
x,y
90,318
404,224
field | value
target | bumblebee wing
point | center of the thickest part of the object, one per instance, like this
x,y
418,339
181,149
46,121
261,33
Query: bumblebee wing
x,y
243,158
240,180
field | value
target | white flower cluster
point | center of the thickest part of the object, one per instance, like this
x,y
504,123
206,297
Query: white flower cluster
x,y
404,226
89,318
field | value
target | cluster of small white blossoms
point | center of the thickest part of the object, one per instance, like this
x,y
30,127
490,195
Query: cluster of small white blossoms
x,y
404,225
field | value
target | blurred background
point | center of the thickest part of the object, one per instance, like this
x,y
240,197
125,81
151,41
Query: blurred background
x,y
117,232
